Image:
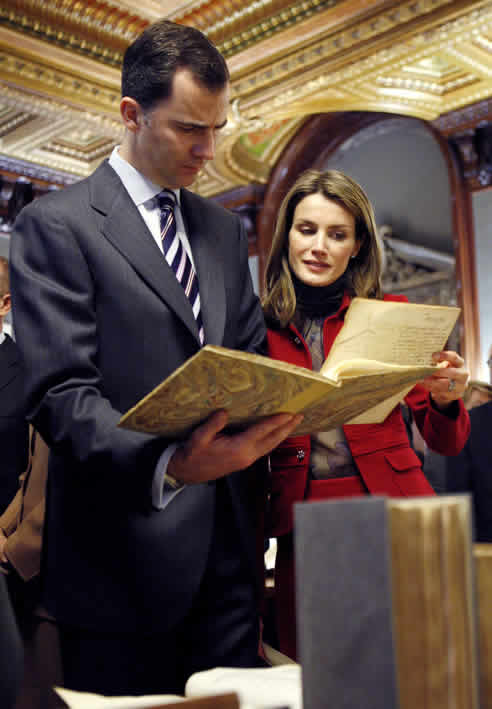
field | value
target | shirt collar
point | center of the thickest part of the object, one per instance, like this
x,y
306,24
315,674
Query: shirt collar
x,y
2,337
139,187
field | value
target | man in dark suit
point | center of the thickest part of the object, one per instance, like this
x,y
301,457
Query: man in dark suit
x,y
10,651
471,470
14,430
149,543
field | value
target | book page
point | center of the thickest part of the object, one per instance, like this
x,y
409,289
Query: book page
x,y
251,387
257,688
393,332
88,700
404,334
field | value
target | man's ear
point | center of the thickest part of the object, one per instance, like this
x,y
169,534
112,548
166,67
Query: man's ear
x,y
5,305
131,113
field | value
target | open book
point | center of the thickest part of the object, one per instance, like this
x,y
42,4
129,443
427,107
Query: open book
x,y
383,349
219,688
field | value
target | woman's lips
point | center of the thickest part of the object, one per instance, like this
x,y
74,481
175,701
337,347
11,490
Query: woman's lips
x,y
316,265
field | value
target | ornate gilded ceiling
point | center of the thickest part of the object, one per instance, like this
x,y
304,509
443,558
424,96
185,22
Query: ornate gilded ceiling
x,y
289,59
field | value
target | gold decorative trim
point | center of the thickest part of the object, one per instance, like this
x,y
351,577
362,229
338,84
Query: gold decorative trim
x,y
96,29
341,42
248,25
363,75
57,82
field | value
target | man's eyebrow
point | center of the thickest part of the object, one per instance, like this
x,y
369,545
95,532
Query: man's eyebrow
x,y
197,124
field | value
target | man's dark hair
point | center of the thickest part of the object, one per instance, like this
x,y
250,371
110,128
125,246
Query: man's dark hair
x,y
150,62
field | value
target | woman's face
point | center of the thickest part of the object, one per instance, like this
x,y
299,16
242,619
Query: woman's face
x,y
321,240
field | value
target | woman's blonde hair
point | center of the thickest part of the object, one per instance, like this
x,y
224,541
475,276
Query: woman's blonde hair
x,y
364,271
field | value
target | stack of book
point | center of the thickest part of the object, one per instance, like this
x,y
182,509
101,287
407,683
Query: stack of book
x,y
386,603
482,554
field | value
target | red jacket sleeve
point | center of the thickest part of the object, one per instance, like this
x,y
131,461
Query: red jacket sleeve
x,y
445,433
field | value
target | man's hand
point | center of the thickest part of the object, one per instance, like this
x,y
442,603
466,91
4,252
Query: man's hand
x,y
209,453
3,542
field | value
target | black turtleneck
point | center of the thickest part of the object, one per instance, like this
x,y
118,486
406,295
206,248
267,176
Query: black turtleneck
x,y
318,301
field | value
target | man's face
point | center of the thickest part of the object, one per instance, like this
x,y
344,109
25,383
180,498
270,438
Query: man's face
x,y
175,138
4,307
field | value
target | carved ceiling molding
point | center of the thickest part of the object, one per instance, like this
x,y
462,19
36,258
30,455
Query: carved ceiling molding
x,y
96,29
37,173
237,26
38,138
465,118
81,82
103,30
59,71
359,75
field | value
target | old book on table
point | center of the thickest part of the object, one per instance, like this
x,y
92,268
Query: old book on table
x,y
385,603
434,602
86,700
482,554
383,349
344,612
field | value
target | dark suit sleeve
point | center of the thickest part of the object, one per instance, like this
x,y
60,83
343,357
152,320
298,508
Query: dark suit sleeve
x,y
10,651
458,472
54,306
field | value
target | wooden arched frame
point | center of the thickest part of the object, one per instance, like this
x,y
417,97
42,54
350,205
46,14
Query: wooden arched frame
x,y
318,138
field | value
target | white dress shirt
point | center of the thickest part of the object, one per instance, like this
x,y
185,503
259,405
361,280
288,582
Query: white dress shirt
x,y
143,191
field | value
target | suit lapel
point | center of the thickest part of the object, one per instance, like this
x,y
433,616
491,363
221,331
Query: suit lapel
x,y
10,365
209,265
126,230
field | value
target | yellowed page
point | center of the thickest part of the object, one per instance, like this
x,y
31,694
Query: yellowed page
x,y
404,334
399,333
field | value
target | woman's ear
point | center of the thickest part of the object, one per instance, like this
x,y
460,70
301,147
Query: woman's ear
x,y
356,250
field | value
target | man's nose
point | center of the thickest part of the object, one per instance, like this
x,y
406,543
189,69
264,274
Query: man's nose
x,y
205,146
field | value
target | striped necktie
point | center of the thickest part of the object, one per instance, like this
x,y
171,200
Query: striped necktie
x,y
177,257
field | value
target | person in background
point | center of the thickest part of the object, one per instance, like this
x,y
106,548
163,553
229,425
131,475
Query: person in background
x,y
435,464
324,252
10,651
470,471
148,560
14,429
477,393
21,538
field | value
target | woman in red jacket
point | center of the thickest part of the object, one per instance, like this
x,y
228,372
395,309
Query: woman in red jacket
x,y
324,252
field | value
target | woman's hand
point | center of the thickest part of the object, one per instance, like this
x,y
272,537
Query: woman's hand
x,y
449,383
